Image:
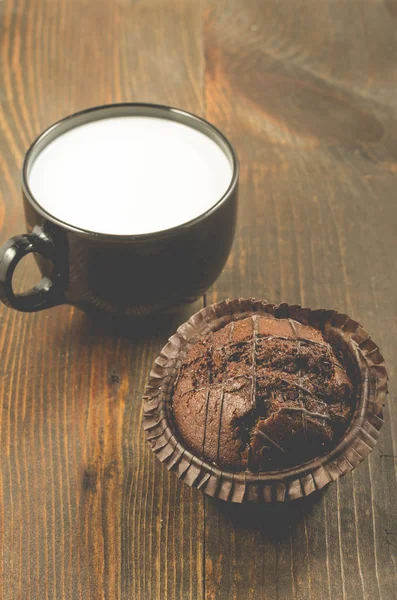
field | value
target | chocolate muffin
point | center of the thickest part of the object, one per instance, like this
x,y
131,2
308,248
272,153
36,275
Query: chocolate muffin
x,y
261,394
250,401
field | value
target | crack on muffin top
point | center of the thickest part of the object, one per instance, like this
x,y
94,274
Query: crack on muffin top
x,y
261,394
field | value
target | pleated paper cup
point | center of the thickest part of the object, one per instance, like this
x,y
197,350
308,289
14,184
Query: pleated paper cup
x,y
366,368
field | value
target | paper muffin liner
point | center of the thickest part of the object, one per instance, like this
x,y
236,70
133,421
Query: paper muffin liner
x,y
292,483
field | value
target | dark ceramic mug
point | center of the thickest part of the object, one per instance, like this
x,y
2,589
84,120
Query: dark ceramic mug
x,y
124,274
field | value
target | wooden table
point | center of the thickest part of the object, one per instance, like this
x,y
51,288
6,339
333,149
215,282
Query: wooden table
x,y
307,92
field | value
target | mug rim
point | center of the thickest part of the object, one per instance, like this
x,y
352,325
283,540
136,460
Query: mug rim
x,y
122,108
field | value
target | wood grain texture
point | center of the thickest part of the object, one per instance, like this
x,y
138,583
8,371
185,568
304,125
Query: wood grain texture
x,y
311,109
85,510
306,92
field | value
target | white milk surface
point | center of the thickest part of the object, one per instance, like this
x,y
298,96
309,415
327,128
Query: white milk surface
x,y
129,175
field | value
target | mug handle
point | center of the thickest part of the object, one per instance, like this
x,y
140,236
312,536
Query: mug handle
x,y
45,293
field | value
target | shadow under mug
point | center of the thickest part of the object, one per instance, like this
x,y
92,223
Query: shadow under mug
x,y
124,274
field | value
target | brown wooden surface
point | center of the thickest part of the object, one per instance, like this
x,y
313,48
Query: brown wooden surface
x,y
306,91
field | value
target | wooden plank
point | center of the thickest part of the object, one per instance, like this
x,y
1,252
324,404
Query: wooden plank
x,y
307,94
311,110
85,509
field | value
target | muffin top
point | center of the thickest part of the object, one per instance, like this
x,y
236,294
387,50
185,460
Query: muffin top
x,y
261,394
